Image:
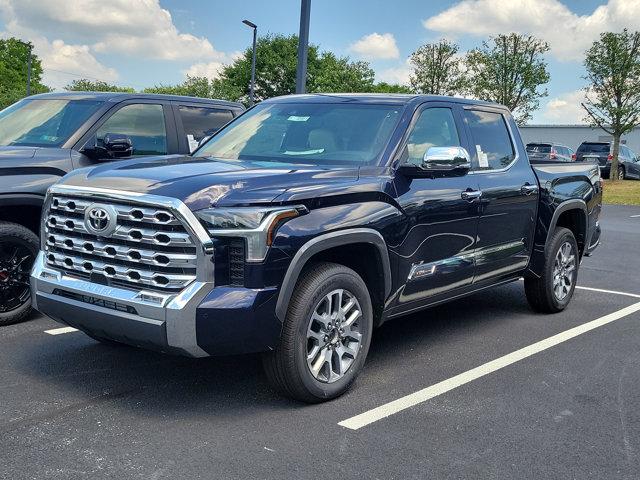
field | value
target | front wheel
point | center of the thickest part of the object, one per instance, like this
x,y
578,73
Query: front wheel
x,y
325,336
621,173
18,249
552,292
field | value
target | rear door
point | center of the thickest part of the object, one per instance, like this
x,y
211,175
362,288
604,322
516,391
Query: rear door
x,y
198,121
509,198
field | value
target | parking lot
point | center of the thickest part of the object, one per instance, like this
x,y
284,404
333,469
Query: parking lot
x,y
565,408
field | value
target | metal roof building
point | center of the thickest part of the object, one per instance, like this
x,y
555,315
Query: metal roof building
x,y
574,135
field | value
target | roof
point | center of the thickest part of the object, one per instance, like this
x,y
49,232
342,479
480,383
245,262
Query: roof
x,y
564,125
119,97
378,98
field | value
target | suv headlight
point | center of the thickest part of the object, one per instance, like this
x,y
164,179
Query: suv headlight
x,y
255,224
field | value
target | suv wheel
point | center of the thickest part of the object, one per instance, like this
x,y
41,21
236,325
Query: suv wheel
x,y
621,173
18,249
325,337
552,292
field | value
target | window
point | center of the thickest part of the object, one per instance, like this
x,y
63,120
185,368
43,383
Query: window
x,y
307,133
490,136
201,122
435,127
143,123
44,123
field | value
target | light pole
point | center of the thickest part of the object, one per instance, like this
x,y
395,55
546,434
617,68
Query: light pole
x,y
253,62
303,46
29,71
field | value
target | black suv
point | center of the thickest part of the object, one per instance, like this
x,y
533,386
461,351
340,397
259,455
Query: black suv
x,y
307,222
550,152
44,137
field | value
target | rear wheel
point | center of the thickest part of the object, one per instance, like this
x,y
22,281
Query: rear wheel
x,y
552,292
325,337
18,249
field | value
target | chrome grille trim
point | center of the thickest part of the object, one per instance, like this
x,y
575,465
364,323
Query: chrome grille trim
x,y
170,248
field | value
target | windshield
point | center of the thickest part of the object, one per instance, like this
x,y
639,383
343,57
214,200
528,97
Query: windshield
x,y
538,148
43,123
310,133
593,148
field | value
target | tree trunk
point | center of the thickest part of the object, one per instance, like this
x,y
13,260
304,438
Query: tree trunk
x,y
613,173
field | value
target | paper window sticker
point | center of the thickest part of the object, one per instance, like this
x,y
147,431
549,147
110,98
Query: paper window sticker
x,y
193,143
483,160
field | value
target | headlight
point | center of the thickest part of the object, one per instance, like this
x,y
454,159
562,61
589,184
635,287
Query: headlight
x,y
255,224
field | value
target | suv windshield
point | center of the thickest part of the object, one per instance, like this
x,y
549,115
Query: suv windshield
x,y
310,133
594,148
43,123
538,148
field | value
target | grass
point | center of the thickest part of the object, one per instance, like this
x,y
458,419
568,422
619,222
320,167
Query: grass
x,y
622,192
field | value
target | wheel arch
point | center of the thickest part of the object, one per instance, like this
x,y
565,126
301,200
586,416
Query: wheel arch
x,y
321,248
25,210
571,214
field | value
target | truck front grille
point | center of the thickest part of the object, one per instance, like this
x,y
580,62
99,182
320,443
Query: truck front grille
x,y
149,249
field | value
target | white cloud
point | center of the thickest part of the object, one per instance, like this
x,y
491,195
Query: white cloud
x,y
59,58
399,74
567,33
118,26
376,46
210,70
564,108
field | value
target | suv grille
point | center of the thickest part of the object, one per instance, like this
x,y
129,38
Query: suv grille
x,y
149,248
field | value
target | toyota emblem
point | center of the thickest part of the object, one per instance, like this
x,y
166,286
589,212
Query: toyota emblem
x,y
100,219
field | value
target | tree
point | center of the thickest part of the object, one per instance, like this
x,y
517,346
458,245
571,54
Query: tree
x,y
384,87
437,70
613,94
509,69
192,87
84,85
14,54
276,62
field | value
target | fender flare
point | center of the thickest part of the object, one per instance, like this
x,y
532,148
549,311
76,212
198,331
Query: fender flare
x,y
560,209
325,242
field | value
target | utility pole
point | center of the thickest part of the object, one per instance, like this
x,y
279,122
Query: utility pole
x,y
252,88
303,46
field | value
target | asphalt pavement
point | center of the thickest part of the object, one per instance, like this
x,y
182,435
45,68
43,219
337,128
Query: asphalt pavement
x,y
473,389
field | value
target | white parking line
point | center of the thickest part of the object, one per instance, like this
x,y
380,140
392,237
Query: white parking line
x,y
408,401
635,216
59,331
608,291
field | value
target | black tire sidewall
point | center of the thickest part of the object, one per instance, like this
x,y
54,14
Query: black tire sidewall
x,y
14,232
354,284
563,235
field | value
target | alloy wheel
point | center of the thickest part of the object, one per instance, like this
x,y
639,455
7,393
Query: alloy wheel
x,y
16,260
564,268
333,336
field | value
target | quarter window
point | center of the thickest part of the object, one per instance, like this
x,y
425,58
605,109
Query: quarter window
x,y
143,123
492,144
435,127
201,122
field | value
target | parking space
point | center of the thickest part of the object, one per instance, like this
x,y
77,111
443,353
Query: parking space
x,y
70,407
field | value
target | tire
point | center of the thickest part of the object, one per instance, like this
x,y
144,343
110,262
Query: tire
x,y
288,368
621,173
542,293
19,247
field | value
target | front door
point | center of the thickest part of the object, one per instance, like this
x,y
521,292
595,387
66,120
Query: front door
x,y
436,253
509,199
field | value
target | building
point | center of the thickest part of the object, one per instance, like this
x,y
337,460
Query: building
x,y
574,135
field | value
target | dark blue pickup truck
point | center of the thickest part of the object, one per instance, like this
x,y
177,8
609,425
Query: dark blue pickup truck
x,y
43,137
307,222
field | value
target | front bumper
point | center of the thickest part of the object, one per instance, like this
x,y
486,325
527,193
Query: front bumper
x,y
202,320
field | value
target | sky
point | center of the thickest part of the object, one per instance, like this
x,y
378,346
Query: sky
x,y
141,43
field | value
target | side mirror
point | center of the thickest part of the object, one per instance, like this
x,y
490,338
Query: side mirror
x,y
440,161
117,145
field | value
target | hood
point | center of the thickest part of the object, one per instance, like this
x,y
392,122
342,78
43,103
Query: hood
x,y
12,153
204,182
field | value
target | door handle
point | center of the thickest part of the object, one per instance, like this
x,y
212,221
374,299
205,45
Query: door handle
x,y
528,189
471,195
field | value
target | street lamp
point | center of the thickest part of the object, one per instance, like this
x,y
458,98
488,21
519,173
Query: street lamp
x,y
253,61
30,47
303,46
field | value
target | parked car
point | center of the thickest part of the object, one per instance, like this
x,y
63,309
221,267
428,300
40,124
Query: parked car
x,y
550,152
601,152
43,137
305,223
628,164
